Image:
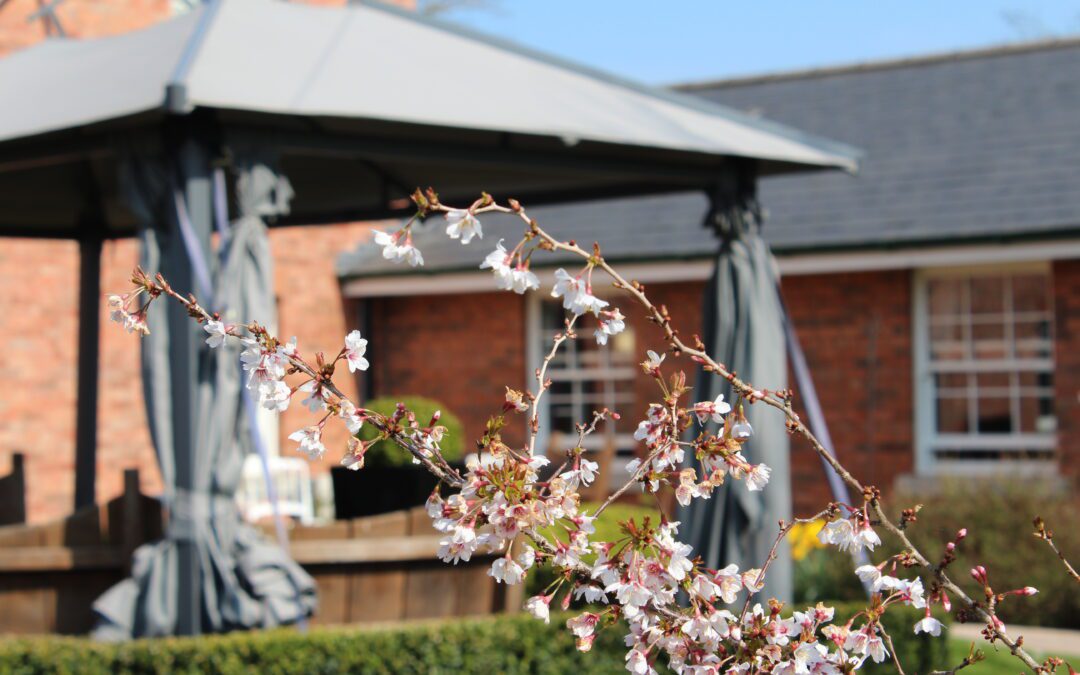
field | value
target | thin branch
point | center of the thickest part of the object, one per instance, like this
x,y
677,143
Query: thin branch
x,y
751,394
1047,535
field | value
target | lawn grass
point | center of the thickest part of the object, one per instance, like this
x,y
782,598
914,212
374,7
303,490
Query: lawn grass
x,y
997,662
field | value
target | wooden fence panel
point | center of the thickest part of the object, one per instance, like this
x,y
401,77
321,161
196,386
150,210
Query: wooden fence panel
x,y
376,569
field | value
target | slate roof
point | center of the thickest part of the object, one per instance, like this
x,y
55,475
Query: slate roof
x,y
963,147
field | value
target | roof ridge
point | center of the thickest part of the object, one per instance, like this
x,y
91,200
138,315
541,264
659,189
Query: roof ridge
x,y
992,51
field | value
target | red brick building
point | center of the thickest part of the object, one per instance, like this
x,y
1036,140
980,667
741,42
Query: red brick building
x,y
964,211
934,293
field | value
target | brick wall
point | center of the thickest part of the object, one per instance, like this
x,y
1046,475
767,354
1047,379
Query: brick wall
x,y
460,350
1067,364
855,330
79,18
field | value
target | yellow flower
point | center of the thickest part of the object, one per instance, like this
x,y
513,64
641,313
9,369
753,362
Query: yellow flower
x,y
803,539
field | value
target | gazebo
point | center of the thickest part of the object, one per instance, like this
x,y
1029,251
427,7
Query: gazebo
x,y
264,110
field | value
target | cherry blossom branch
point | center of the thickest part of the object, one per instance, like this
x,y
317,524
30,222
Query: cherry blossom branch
x,y
751,394
785,529
973,657
892,650
501,496
1047,535
159,286
542,384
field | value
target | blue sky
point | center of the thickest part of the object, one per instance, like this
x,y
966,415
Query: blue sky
x,y
667,41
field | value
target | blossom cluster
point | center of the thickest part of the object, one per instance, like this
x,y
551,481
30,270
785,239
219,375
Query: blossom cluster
x,y
520,511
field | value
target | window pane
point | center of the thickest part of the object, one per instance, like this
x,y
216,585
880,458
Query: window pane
x,y
994,415
946,297
988,341
952,415
987,295
1036,396
587,377
1033,340
1031,293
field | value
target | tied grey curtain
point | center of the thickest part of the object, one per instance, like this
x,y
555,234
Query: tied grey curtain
x,y
743,328
243,581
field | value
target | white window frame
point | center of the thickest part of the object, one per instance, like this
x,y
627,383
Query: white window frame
x,y
534,358
926,436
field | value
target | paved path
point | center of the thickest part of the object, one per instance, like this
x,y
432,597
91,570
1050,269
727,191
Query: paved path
x,y
1056,641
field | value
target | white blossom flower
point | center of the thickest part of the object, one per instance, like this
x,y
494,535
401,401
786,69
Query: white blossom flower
x,y
591,593
575,294
611,323
355,348
524,280
758,477
583,625
396,250
316,400
839,533
928,625
217,333
654,360
498,261
867,537
588,471
310,440
868,574
462,224
526,558
507,571
274,395
714,410
349,414
638,663
538,606
518,279
875,646
730,582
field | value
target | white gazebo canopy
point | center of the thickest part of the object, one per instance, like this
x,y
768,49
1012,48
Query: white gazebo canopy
x,y
417,101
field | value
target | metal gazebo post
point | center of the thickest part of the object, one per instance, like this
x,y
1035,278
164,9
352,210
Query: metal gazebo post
x,y
743,326
193,163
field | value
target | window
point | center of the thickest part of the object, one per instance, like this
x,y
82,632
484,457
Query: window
x,y
584,377
984,368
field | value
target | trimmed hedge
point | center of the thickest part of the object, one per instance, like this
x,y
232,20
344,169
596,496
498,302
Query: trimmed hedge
x,y
505,644
387,453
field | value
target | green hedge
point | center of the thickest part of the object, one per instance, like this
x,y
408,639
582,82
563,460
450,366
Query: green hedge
x,y
387,453
506,644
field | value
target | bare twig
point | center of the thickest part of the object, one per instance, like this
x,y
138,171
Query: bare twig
x,y
1047,535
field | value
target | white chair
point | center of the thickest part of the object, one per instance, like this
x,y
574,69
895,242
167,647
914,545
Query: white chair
x,y
292,482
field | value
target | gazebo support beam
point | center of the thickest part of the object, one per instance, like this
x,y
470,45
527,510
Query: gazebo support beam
x,y
193,160
87,387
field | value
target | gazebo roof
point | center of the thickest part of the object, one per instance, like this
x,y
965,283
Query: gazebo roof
x,y
416,101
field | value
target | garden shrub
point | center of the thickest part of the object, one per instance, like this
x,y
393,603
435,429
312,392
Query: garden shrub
x,y
387,453
998,517
504,644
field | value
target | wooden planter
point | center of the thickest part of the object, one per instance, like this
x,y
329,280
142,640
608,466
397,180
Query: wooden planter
x,y
381,568
379,489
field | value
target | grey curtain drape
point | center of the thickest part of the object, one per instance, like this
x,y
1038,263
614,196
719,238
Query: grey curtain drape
x,y
243,581
743,328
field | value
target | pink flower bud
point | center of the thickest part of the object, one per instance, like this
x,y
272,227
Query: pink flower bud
x,y
945,602
950,547
961,534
